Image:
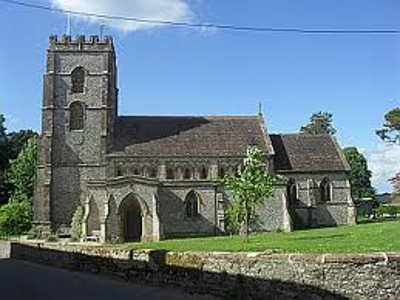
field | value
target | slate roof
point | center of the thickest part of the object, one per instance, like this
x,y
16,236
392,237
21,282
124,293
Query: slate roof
x,y
190,136
307,153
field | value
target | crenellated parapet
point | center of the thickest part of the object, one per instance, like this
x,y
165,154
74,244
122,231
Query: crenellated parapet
x,y
81,43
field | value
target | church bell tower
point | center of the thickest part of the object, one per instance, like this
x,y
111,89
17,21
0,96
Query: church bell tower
x,y
78,115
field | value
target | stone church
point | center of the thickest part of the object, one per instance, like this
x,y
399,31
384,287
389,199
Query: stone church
x,y
148,178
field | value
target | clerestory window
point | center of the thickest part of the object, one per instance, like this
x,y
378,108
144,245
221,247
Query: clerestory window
x,y
170,173
187,174
204,173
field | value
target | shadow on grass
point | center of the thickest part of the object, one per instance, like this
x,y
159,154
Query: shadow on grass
x,y
362,221
322,237
156,271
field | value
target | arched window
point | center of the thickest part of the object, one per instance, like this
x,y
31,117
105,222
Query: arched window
x,y
191,205
153,173
204,173
187,174
170,173
76,115
221,172
136,171
119,171
78,80
325,190
291,191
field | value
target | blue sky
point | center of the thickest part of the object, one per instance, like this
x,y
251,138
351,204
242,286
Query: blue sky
x,y
166,71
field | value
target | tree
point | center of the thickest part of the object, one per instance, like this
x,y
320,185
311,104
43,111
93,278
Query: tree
x,y
22,173
320,123
391,128
3,144
396,183
2,127
249,188
18,140
360,175
10,146
16,215
391,133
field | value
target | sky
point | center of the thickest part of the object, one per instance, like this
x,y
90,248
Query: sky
x,y
165,70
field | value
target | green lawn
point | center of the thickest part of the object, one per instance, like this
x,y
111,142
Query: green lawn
x,y
362,238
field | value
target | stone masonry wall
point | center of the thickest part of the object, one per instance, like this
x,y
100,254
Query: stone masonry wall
x,y
5,250
234,275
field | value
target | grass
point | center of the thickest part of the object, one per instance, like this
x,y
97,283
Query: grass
x,y
362,238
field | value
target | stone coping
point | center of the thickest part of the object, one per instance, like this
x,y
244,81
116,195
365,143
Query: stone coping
x,y
325,258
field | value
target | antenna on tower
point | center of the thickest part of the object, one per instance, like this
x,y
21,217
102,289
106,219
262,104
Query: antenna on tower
x,y
260,109
102,26
68,24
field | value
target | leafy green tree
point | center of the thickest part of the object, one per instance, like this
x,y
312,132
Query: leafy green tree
x,y
22,172
249,188
16,215
320,123
10,146
396,183
18,140
2,127
360,175
3,144
391,133
391,128
4,158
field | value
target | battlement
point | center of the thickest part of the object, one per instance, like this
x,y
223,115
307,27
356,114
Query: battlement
x,y
81,43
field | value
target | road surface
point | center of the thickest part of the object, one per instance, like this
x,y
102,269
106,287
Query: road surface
x,y
21,280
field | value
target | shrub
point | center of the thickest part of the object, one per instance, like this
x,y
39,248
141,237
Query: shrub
x,y
33,234
388,210
15,218
76,225
52,238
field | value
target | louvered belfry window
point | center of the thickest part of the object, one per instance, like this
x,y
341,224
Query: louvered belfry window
x,y
76,115
78,80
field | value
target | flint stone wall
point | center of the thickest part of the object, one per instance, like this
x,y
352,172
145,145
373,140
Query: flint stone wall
x,y
5,250
238,276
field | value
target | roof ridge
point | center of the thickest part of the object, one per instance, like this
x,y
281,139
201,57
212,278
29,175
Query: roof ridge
x,y
340,153
302,134
267,139
193,116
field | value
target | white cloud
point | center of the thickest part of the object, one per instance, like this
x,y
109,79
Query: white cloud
x,y
384,163
170,10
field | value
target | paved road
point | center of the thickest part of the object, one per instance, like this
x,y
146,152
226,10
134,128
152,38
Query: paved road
x,y
21,280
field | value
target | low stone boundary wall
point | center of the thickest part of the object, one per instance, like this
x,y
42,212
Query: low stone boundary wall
x,y
5,250
233,275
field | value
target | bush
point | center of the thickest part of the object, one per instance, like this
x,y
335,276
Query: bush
x,y
52,238
33,234
76,225
388,210
15,218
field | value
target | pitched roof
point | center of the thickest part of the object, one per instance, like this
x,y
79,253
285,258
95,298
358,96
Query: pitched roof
x,y
190,136
307,153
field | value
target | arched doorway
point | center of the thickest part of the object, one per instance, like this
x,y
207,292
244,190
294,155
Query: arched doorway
x,y
131,216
